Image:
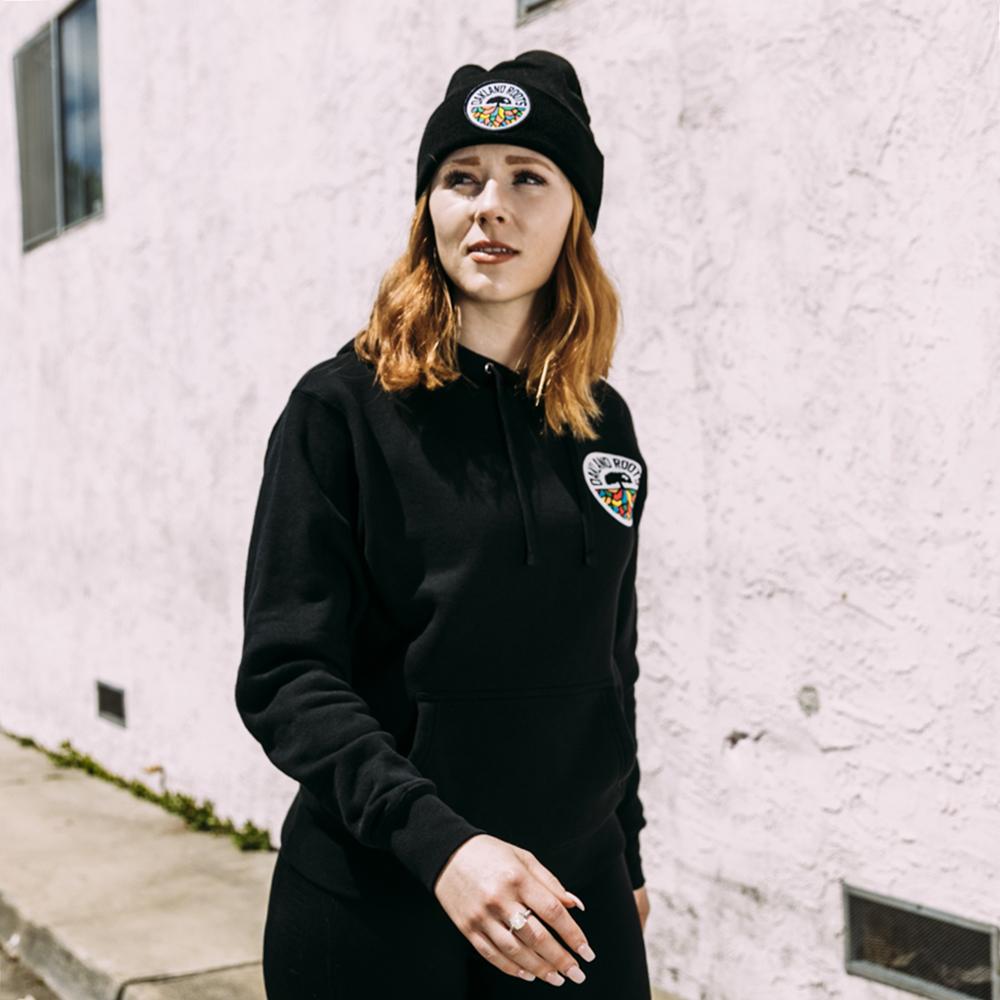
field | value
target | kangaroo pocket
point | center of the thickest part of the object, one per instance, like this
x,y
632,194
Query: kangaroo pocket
x,y
537,767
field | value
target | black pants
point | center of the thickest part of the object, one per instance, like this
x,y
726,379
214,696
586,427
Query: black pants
x,y
399,942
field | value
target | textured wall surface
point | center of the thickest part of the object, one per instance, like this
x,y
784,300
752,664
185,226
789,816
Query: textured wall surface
x,y
802,213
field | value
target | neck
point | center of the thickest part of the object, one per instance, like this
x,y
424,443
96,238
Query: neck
x,y
498,330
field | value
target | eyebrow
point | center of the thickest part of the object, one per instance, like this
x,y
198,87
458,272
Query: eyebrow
x,y
474,160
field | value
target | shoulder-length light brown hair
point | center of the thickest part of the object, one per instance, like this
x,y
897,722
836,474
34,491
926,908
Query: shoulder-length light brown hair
x,y
411,333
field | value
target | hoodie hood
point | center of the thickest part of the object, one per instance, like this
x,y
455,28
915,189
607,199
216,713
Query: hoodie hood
x,y
520,418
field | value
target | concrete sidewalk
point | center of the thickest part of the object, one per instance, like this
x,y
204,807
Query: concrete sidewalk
x,y
108,897
105,896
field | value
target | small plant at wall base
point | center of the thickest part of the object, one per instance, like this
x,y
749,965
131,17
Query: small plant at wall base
x,y
199,817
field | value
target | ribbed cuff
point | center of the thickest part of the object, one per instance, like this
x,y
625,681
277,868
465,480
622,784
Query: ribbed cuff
x,y
633,862
430,833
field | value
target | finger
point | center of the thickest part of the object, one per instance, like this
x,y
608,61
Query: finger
x,y
551,912
549,880
521,947
508,946
495,956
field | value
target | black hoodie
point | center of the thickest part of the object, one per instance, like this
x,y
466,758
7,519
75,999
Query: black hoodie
x,y
440,624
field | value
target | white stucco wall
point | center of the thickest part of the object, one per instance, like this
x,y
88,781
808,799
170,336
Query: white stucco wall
x,y
802,212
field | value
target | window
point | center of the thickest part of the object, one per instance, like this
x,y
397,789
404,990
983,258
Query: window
x,y
526,7
58,125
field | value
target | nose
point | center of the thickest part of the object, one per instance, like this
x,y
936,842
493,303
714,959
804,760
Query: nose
x,y
489,204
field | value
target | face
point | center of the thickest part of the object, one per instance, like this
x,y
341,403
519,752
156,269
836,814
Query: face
x,y
510,194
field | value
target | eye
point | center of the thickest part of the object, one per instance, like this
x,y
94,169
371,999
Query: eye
x,y
529,173
453,177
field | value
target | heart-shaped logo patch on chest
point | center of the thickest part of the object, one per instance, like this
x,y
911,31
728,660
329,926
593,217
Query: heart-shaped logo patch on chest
x,y
613,481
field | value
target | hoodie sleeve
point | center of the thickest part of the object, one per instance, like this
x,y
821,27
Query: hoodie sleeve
x,y
630,810
305,592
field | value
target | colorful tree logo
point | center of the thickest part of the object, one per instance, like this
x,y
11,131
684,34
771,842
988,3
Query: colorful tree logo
x,y
613,481
497,105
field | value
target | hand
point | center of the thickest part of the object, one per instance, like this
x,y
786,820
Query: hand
x,y
481,886
642,902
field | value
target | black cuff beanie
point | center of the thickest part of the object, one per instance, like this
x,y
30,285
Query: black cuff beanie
x,y
533,100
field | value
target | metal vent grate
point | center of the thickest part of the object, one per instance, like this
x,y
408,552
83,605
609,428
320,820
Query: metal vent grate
x,y
111,703
918,949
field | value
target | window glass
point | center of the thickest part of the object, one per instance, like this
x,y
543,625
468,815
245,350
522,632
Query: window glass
x,y
81,132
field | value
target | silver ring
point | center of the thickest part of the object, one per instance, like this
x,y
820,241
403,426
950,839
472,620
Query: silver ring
x,y
519,919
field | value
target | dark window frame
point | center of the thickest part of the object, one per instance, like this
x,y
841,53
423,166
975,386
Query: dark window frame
x,y
50,30
526,9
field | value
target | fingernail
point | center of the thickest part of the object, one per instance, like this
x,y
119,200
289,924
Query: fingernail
x,y
579,902
587,952
524,974
554,978
576,974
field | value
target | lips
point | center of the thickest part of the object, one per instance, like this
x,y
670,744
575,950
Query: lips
x,y
491,258
490,245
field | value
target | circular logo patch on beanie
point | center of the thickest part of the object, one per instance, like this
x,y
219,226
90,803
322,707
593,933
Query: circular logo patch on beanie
x,y
613,481
497,105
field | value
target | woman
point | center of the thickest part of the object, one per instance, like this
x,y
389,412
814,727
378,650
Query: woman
x,y
440,609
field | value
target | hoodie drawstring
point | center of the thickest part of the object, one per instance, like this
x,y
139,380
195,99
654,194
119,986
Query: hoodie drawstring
x,y
527,511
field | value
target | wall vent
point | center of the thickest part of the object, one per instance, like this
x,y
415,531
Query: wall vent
x,y
918,949
111,703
